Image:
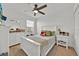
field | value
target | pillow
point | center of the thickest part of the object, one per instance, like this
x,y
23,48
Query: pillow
x,y
47,33
53,33
43,33
50,33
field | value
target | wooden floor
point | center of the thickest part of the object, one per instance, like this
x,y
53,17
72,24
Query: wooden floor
x,y
55,51
16,51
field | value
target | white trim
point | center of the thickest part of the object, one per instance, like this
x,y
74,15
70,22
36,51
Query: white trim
x,y
31,41
50,48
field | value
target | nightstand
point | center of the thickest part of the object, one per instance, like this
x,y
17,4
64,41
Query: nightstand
x,y
62,40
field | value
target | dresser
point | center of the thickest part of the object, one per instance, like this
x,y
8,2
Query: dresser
x,y
62,40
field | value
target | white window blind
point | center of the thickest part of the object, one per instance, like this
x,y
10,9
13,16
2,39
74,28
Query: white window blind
x,y
30,23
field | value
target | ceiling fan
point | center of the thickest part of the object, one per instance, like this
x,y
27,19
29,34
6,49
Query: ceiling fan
x,y
37,9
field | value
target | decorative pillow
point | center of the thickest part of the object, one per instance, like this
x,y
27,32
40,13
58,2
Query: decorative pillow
x,y
47,33
43,33
50,33
53,33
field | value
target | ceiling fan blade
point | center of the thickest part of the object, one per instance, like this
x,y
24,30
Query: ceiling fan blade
x,y
41,12
34,14
42,7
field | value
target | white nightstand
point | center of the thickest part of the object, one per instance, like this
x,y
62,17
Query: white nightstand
x,y
62,40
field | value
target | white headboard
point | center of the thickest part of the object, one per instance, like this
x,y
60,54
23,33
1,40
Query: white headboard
x,y
49,28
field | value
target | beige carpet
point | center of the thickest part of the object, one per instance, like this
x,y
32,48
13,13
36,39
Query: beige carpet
x,y
55,51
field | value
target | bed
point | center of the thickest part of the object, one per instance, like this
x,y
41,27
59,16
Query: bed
x,y
37,45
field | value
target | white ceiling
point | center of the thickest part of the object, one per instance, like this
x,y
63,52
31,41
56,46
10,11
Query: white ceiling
x,y
52,9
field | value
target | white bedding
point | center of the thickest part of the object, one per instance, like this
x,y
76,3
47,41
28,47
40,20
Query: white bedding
x,y
37,45
37,39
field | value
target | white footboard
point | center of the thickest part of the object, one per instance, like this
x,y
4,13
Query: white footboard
x,y
45,49
30,48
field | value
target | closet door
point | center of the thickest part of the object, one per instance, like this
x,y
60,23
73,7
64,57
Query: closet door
x,y
77,31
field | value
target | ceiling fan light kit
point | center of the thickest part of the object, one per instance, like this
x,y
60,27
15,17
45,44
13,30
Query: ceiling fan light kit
x,y
35,11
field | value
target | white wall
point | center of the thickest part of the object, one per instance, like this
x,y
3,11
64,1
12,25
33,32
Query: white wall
x,y
77,30
61,15
3,39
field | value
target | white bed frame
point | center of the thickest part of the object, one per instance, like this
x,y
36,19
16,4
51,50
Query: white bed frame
x,y
33,48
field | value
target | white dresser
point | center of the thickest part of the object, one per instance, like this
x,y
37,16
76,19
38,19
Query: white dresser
x,y
63,40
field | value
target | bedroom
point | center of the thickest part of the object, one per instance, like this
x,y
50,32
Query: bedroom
x,y
57,16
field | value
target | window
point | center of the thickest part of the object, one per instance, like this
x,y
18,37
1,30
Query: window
x,y
30,26
29,23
